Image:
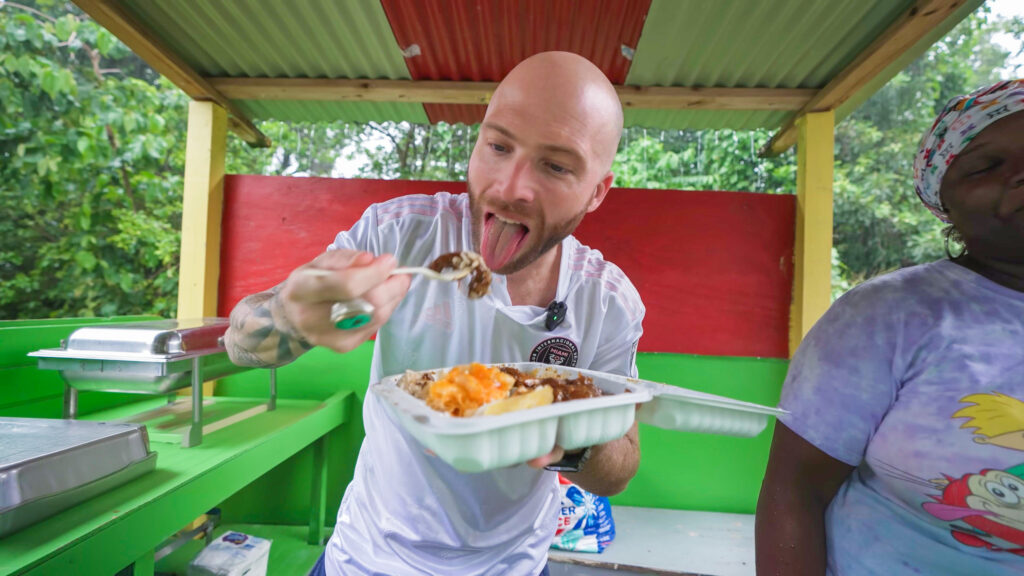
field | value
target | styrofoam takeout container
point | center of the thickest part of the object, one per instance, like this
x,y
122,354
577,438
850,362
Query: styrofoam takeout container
x,y
476,444
686,410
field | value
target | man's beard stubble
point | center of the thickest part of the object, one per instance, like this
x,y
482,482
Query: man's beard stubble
x,y
553,235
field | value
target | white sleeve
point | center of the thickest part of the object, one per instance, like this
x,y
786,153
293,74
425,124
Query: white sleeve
x,y
363,235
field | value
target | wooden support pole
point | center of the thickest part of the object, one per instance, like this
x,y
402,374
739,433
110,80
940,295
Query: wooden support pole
x,y
202,207
812,274
318,493
145,565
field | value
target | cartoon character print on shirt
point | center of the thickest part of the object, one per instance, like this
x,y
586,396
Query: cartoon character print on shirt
x,y
986,508
997,419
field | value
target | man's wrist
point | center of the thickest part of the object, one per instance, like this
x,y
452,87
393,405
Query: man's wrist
x,y
283,325
571,461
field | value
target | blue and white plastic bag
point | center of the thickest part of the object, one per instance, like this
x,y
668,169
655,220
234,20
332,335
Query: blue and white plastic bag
x,y
233,554
585,521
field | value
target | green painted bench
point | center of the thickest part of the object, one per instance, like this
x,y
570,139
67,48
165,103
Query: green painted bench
x,y
124,526
667,542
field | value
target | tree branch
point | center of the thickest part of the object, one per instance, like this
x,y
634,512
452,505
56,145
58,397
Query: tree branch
x,y
125,179
386,134
27,9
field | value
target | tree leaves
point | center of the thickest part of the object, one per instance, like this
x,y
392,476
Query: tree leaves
x,y
90,203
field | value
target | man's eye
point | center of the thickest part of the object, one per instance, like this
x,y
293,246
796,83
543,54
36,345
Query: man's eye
x,y
557,169
498,148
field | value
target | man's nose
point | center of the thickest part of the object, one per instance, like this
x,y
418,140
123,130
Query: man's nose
x,y
516,184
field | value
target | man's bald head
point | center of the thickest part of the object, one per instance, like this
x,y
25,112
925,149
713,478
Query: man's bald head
x,y
564,83
542,160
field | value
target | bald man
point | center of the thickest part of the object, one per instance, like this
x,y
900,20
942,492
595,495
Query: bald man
x,y
542,161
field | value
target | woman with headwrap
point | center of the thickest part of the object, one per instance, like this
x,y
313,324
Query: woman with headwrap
x,y
903,448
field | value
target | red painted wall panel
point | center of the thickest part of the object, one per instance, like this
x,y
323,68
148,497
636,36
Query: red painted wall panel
x,y
714,268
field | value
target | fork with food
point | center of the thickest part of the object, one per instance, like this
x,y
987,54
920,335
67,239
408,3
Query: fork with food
x,y
450,267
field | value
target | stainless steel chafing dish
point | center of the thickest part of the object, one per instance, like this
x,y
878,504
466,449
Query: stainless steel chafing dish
x,y
156,357
47,466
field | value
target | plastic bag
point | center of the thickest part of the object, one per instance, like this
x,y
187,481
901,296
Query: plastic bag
x,y
585,521
233,554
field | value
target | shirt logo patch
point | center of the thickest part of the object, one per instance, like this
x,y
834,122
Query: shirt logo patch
x,y
557,351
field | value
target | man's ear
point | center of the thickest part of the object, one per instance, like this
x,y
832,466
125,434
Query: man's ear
x,y
601,191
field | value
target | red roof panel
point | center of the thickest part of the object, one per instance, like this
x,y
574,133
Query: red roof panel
x,y
481,40
455,113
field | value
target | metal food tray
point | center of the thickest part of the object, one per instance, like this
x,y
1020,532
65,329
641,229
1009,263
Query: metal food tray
x,y
144,358
479,443
47,466
156,357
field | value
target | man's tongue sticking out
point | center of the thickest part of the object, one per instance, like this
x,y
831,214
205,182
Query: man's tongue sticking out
x,y
501,240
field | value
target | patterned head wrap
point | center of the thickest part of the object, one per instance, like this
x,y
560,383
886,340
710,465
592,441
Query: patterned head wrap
x,y
963,118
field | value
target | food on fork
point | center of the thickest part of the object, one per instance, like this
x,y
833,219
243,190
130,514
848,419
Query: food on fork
x,y
480,279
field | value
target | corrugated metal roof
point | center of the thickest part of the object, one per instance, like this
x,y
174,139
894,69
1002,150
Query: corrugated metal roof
x,y
482,40
722,43
297,38
750,43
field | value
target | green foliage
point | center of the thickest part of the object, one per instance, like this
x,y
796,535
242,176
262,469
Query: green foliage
x,y
880,224
90,172
701,160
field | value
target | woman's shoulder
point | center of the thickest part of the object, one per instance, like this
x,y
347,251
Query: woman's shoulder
x,y
913,283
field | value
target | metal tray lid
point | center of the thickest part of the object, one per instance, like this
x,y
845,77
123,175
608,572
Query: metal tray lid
x,y
156,338
42,457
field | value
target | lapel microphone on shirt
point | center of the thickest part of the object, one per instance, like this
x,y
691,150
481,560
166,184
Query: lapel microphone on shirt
x,y
556,314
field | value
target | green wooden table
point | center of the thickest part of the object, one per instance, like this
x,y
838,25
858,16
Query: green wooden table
x,y
125,525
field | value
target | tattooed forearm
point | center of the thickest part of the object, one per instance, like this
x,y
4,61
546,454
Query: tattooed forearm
x,y
260,334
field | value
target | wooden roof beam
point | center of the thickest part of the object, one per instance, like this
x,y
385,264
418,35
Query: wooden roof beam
x,y
442,92
900,36
110,15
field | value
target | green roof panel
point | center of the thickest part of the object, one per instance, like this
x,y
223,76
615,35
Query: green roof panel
x,y
298,38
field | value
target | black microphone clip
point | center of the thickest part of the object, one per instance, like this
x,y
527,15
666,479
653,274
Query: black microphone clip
x,y
556,314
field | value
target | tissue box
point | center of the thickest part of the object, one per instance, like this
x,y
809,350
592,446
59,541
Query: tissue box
x,y
232,554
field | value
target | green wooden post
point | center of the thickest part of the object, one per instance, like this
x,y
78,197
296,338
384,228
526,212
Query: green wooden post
x,y
145,565
318,492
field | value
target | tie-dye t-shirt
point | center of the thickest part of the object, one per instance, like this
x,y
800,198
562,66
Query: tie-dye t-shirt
x,y
917,379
